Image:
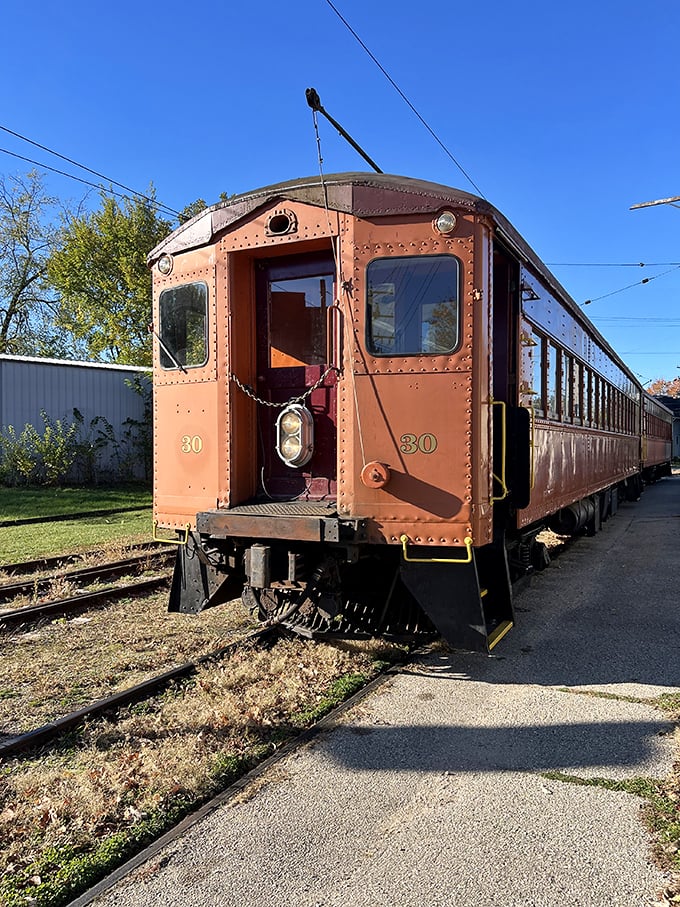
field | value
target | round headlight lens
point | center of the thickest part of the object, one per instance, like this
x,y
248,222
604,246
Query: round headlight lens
x,y
165,265
445,222
290,448
290,423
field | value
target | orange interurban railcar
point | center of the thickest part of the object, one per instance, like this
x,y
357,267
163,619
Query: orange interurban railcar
x,y
370,396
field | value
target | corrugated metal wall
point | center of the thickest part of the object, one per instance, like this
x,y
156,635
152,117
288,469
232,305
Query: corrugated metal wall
x,y
29,385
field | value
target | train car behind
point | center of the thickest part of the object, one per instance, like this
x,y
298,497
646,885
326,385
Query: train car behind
x,y
657,439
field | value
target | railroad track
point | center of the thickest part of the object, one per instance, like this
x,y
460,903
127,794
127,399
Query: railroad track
x,y
33,613
62,560
86,574
26,614
46,734
327,722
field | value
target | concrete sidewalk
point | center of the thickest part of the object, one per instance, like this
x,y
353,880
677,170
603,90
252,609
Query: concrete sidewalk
x,y
433,793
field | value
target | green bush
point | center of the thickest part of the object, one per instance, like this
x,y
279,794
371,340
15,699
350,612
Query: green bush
x,y
137,441
17,458
71,450
55,449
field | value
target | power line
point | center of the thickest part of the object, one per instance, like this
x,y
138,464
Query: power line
x,y
71,176
608,264
613,319
630,285
405,99
69,160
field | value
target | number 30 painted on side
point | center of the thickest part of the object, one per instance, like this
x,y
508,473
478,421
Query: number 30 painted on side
x,y
425,443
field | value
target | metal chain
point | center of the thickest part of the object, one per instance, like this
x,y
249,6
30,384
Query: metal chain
x,y
249,392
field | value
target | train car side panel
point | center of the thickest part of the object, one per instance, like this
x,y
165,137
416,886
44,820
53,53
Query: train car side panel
x,y
657,438
190,445
410,412
585,408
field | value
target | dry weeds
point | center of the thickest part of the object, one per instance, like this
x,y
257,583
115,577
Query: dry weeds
x,y
121,772
115,551
64,664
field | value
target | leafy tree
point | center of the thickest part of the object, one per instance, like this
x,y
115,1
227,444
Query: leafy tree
x,y
665,388
190,210
99,271
196,207
27,237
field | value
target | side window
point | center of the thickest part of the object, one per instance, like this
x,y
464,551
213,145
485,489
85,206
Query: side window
x,y
413,305
537,355
183,326
577,390
606,406
552,366
566,388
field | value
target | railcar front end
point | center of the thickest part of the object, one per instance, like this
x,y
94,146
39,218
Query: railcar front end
x,y
323,410
370,396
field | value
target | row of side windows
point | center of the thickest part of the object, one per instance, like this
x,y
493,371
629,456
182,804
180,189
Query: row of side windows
x,y
565,389
657,428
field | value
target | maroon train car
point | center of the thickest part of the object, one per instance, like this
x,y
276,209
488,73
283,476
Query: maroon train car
x,y
370,396
657,439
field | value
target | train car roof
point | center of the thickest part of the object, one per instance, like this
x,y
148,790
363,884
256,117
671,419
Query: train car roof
x,y
369,195
660,401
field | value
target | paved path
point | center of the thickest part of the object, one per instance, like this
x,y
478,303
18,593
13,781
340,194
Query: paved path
x,y
433,793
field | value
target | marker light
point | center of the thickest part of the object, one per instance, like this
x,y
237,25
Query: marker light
x,y
295,435
445,222
165,264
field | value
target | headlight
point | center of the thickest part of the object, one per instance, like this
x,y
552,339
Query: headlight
x,y
295,435
290,448
165,264
290,422
445,222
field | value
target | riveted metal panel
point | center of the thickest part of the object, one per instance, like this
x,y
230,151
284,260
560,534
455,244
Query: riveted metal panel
x,y
411,413
190,443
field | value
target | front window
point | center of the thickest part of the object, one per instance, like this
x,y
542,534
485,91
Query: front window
x,y
413,305
183,326
297,319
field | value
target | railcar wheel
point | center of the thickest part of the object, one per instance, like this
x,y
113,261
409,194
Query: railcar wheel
x,y
359,600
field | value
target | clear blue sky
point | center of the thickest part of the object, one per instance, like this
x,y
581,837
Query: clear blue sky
x,y
563,114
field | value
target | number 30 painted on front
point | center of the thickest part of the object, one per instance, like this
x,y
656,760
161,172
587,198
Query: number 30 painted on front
x,y
192,444
425,443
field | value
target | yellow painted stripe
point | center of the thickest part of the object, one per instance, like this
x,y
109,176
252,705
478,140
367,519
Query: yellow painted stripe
x,y
499,633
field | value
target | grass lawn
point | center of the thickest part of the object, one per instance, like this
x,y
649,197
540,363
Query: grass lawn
x,y
19,543
23,503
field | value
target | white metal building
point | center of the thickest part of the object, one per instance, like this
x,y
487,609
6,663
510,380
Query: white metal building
x,y
30,385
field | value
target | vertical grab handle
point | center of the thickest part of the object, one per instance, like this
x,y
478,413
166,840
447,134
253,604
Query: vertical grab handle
x,y
532,469
333,336
504,449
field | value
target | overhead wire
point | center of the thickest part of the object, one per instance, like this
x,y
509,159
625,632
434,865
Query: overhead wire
x,y
71,176
159,205
405,98
434,135
610,264
613,319
629,286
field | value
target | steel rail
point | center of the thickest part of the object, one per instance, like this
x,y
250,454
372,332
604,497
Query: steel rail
x,y
101,571
60,560
64,517
31,613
